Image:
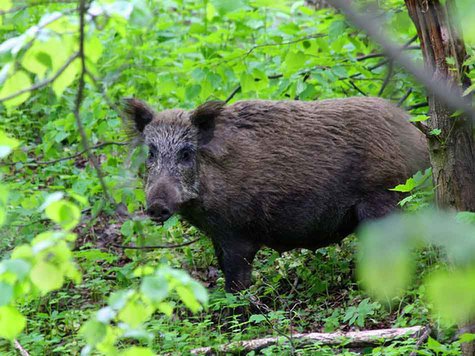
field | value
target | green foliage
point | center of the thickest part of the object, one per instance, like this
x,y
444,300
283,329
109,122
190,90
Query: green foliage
x,y
386,271
173,54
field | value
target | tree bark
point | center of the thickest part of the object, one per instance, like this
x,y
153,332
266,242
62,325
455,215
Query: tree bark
x,y
452,152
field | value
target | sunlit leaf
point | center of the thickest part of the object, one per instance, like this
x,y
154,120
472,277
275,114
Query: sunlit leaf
x,y
12,322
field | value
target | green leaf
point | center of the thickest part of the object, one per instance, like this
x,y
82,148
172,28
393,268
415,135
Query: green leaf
x,y
64,213
18,81
135,313
452,294
66,78
6,293
467,337
435,132
7,144
406,187
93,331
188,298
12,322
155,288
46,277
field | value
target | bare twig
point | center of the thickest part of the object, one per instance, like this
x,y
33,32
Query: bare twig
x,y
18,346
44,82
252,49
350,339
404,98
417,106
357,88
387,79
377,55
79,98
43,163
439,87
233,93
156,247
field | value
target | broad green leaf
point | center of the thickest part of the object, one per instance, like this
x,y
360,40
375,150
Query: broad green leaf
x,y
12,322
135,313
155,288
93,331
46,277
293,62
20,80
6,293
7,144
188,298
406,187
66,78
452,294
64,213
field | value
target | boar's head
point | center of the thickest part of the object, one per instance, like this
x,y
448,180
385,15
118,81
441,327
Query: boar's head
x,y
173,138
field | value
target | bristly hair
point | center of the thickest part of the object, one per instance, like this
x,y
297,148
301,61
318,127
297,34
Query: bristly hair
x,y
137,115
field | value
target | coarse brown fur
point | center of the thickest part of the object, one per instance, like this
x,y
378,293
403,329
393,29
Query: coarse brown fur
x,y
283,174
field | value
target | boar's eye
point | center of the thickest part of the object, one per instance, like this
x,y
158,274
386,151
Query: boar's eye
x,y
185,155
152,154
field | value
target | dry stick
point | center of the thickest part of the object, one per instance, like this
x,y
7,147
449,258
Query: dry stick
x,y
18,346
349,339
156,247
79,97
41,163
44,82
439,88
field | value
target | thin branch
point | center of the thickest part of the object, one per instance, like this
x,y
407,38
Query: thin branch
x,y
357,88
44,82
156,247
20,348
377,55
233,93
79,98
439,87
404,98
387,79
252,49
43,163
417,106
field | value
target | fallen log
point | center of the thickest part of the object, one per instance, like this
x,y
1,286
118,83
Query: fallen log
x,y
351,339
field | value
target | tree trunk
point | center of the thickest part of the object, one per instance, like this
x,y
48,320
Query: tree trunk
x,y
452,152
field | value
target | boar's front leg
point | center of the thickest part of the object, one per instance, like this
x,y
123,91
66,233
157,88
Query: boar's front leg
x,y
235,256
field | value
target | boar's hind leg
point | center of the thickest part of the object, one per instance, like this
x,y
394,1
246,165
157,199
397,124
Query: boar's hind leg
x,y
235,258
377,206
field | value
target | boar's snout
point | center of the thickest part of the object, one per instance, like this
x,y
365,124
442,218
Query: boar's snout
x,y
159,212
163,199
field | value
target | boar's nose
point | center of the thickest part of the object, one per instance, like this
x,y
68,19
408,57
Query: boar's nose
x,y
159,212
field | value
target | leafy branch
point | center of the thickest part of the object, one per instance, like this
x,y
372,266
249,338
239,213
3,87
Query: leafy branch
x,y
44,82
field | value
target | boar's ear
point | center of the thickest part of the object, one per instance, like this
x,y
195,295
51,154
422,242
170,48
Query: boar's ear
x,y
139,113
204,118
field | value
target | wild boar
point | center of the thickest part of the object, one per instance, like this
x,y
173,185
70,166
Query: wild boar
x,y
282,174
